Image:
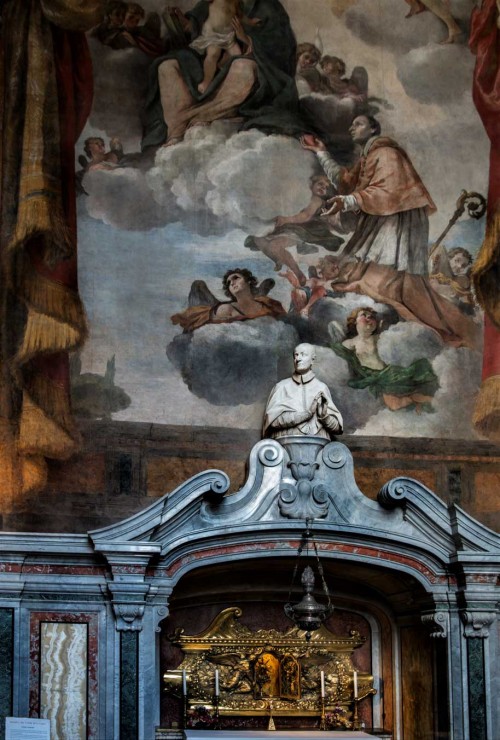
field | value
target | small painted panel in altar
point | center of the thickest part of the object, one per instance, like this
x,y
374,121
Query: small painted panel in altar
x,y
290,677
63,674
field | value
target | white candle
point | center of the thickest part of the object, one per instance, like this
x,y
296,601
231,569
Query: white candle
x,y
184,683
216,682
355,681
322,684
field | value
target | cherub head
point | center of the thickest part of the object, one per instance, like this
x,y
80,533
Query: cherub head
x,y
320,185
328,267
308,56
134,15
115,13
333,66
363,320
94,147
238,282
459,260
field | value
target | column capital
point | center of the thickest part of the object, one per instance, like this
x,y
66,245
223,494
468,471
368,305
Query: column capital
x,y
477,623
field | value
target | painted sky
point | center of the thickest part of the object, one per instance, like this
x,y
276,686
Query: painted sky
x,y
146,234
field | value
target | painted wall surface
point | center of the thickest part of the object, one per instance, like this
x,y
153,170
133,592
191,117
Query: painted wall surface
x,y
153,223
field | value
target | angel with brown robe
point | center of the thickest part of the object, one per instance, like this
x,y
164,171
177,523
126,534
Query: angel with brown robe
x,y
248,300
305,230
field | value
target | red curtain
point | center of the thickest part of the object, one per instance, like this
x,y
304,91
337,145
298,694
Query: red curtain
x,y
485,43
46,76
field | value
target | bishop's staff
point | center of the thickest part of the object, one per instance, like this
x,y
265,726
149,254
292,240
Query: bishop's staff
x,y
475,203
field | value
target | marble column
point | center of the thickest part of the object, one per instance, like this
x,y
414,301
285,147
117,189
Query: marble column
x,y
129,684
139,601
6,665
445,627
476,632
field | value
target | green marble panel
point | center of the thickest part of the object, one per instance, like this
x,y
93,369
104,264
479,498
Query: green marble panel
x,y
129,677
477,695
6,665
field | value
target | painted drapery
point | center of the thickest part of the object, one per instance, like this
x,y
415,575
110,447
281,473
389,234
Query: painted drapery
x,y
485,43
47,85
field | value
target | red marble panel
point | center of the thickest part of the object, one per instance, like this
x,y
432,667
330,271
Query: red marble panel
x,y
66,570
371,552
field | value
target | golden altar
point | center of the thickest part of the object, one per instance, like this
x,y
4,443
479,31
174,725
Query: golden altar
x,y
230,670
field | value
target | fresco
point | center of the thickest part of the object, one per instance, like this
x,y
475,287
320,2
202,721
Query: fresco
x,y
256,175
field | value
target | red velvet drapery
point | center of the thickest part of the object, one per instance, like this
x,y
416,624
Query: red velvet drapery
x,y
485,43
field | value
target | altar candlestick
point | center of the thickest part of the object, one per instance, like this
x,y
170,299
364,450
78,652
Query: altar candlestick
x,y
322,684
355,681
216,682
184,683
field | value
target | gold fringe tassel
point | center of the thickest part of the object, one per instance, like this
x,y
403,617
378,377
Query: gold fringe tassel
x,y
54,299
42,217
34,472
44,334
41,435
54,400
10,479
486,417
20,474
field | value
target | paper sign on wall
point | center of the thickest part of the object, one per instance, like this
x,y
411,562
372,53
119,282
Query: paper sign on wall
x,y
27,728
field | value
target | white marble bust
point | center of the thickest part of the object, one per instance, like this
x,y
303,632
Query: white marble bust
x,y
301,404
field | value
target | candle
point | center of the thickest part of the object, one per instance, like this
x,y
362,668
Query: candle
x,y
355,681
322,684
184,683
216,682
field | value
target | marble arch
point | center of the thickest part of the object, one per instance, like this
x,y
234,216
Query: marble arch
x,y
438,566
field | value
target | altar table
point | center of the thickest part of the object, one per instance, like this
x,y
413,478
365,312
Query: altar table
x,y
281,734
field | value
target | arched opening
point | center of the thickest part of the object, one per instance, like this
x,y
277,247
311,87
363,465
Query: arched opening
x,y
384,604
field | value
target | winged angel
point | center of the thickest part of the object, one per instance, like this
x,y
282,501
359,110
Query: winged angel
x,y
247,300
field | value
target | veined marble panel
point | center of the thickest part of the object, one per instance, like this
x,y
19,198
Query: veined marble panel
x,y
63,679
89,622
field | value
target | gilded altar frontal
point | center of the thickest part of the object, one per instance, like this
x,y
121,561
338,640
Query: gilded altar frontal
x,y
267,672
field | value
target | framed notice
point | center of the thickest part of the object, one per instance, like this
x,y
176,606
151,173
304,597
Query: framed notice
x,y
27,728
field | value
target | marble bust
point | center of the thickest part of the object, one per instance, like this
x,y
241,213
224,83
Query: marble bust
x,y
302,404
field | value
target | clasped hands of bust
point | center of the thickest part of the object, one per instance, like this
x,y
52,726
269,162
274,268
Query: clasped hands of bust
x,y
319,406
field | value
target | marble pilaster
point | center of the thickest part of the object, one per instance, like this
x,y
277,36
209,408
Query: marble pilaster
x,y
129,677
7,665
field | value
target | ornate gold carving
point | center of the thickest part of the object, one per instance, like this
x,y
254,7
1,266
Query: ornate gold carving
x,y
267,666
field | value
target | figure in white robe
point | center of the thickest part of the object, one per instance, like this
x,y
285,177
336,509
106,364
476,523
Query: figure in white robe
x,y
302,404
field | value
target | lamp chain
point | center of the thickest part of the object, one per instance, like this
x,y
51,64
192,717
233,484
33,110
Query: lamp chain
x,y
321,573
299,553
